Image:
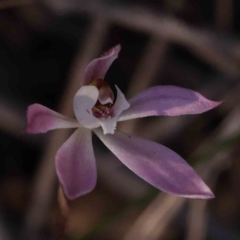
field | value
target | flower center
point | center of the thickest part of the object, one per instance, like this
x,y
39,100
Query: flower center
x,y
102,111
103,107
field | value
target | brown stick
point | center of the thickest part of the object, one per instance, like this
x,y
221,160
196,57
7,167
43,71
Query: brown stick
x,y
224,14
61,228
201,43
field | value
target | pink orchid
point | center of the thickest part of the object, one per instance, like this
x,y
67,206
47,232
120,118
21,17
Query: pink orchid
x,y
97,111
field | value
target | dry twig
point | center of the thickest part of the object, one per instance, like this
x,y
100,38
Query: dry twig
x,y
200,42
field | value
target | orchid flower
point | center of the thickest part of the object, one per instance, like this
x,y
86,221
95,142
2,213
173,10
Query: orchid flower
x,y
98,111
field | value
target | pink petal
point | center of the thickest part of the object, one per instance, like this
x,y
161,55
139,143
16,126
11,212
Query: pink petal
x,y
83,102
42,119
167,101
99,66
121,103
157,165
109,124
75,164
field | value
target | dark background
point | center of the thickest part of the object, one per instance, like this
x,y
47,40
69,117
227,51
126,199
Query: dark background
x,y
44,49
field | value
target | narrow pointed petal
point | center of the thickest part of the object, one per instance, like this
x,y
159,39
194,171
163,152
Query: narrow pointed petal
x,y
42,119
167,101
83,102
121,104
99,66
75,164
157,165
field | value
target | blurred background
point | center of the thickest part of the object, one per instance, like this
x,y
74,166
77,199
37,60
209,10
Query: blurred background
x,y
45,46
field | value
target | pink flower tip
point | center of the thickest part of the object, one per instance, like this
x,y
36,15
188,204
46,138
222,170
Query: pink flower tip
x,y
114,50
216,104
206,196
30,128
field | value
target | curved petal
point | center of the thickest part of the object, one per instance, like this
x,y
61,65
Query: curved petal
x,y
157,165
167,101
42,119
99,66
121,103
109,125
83,102
75,164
